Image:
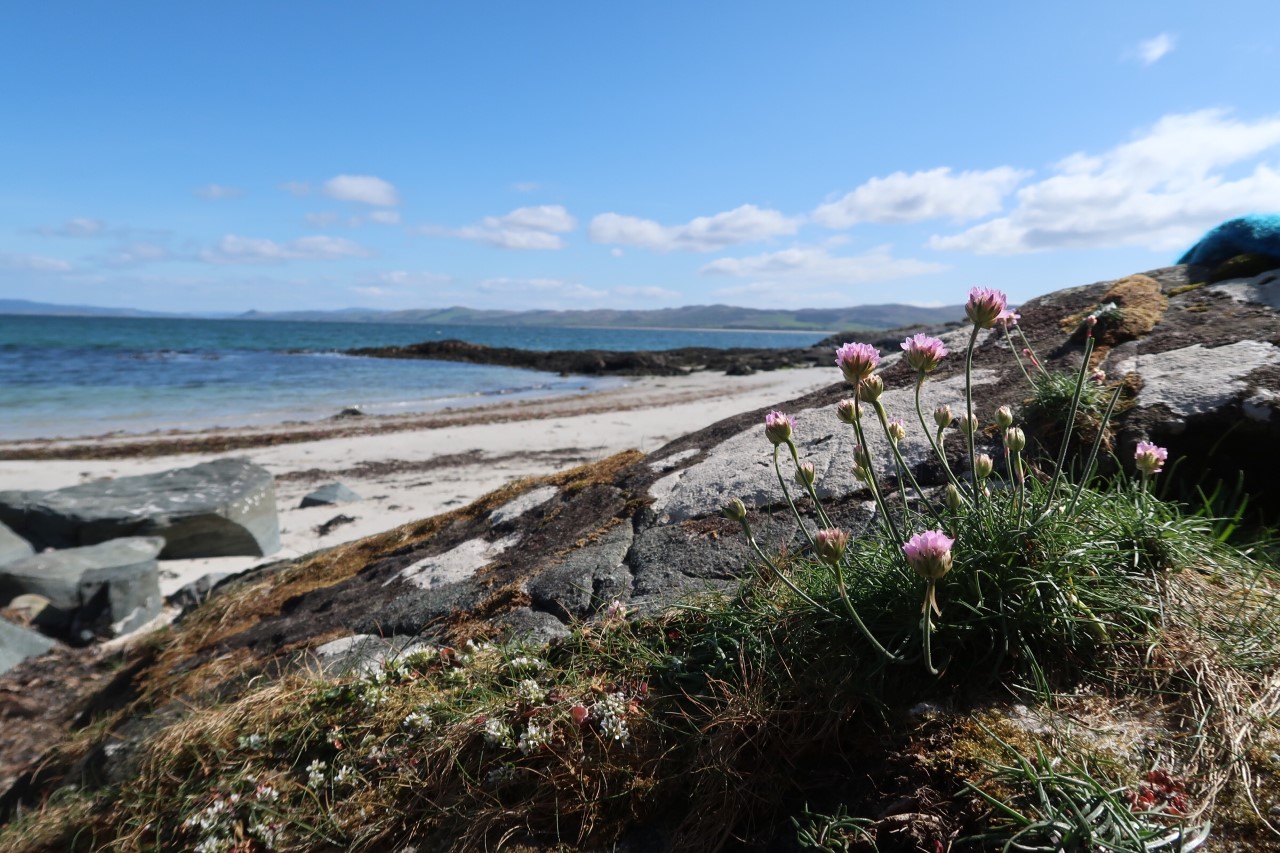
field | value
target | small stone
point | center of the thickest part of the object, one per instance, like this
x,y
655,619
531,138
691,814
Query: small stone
x,y
328,495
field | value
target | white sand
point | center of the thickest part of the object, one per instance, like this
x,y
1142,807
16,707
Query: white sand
x,y
416,473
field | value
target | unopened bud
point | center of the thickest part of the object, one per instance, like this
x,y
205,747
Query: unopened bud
x,y
942,416
1004,417
847,411
861,458
1099,376
805,474
896,431
778,427
862,473
968,425
982,466
953,498
829,544
1014,440
735,510
870,389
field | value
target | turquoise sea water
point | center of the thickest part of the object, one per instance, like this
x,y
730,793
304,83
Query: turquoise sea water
x,y
73,376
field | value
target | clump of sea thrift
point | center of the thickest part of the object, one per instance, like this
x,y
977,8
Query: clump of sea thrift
x,y
924,353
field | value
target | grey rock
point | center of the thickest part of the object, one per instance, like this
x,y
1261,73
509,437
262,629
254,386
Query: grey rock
x,y
110,588
12,546
192,595
456,564
17,644
513,509
215,509
587,579
1196,380
530,626
328,495
360,654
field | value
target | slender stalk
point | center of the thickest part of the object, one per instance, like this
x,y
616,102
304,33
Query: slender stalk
x,y
1034,361
857,620
810,488
787,494
969,431
746,528
903,469
1087,475
936,445
871,476
927,629
1016,355
1068,427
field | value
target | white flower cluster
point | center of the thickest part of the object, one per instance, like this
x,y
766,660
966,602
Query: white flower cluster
x,y
534,738
315,774
417,721
344,774
526,664
530,692
469,651
253,741
609,714
498,733
218,821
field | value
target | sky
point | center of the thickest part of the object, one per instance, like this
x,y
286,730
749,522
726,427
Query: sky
x,y
222,157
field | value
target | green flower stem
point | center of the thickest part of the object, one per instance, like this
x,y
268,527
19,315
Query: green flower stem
x,y
857,620
787,494
751,539
936,445
969,431
1017,356
1087,474
903,469
1068,427
1027,344
871,476
926,627
810,488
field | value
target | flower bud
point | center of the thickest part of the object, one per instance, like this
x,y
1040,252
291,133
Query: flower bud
x,y
778,427
862,474
942,416
1004,417
968,425
1014,440
861,458
870,389
982,466
735,510
896,431
847,411
829,545
1099,377
805,474
953,498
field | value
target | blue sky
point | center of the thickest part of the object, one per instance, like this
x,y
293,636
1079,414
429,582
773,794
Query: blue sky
x,y
228,156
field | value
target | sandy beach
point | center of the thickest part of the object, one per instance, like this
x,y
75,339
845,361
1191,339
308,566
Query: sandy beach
x,y
409,467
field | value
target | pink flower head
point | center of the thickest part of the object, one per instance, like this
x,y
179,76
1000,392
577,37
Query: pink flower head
x,y
923,352
1008,318
778,427
856,361
929,553
829,544
985,306
1149,458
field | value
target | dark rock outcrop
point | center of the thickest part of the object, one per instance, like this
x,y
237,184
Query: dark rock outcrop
x,y
215,509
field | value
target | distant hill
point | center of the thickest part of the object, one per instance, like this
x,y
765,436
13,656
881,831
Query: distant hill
x,y
688,317
47,309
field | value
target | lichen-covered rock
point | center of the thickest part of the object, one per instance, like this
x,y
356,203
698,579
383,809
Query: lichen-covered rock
x,y
215,509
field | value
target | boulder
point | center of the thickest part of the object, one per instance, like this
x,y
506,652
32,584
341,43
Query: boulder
x,y
215,509
110,588
12,546
17,644
328,495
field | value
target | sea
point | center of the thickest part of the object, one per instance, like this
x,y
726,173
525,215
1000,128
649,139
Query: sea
x,y
63,377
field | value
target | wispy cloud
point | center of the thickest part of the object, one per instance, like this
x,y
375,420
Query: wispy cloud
x,y
33,263
529,290
528,228
807,265
1152,50
918,196
1159,191
744,224
526,186
234,249
362,189
80,226
218,192
298,188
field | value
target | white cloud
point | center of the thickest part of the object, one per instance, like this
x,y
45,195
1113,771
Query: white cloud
x,y
616,252
323,219
385,217
249,250
138,253
1159,191
1152,50
404,278
298,188
526,186
745,224
33,263
217,192
365,189
374,290
553,287
523,228
80,226
935,194
814,265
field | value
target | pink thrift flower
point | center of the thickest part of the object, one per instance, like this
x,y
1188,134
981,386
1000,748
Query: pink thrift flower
x,y
923,352
1008,318
778,427
829,544
1149,458
929,553
985,306
856,361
